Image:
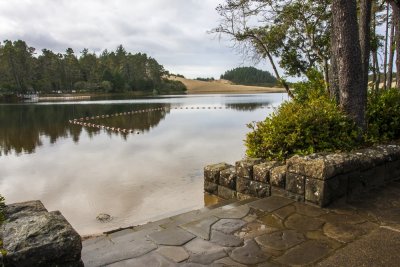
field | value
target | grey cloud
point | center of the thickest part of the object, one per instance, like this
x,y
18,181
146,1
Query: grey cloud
x,y
174,32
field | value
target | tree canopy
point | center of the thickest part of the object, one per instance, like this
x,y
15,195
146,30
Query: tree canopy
x,y
249,76
22,70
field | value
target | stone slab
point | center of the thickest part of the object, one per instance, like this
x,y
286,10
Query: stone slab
x,y
226,262
204,252
175,254
343,232
308,210
234,213
285,212
305,254
225,240
281,240
172,237
200,228
254,229
303,223
380,248
152,259
272,220
250,253
104,255
228,226
270,204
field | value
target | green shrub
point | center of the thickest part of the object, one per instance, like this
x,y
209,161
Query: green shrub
x,y
311,88
302,127
383,115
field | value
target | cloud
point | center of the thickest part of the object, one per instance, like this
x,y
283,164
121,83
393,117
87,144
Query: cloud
x,y
174,32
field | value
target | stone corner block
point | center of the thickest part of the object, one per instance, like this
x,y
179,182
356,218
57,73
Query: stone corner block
x,y
212,172
23,209
253,188
261,172
226,193
210,188
278,176
227,178
295,183
322,193
39,238
320,166
244,168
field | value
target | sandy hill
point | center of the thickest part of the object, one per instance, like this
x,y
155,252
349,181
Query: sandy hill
x,y
223,87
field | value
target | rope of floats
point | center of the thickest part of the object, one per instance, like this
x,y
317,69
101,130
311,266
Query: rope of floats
x,y
85,121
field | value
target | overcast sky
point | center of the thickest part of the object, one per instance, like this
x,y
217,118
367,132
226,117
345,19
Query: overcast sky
x,y
174,32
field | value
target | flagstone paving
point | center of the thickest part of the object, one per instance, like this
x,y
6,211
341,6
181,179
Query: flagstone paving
x,y
274,231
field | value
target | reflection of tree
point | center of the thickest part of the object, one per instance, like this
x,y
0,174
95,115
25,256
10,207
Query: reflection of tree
x,y
246,106
139,122
22,127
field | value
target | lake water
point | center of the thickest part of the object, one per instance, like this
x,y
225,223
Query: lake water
x,y
156,171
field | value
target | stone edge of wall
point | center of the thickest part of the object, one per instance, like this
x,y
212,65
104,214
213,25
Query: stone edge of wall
x,y
317,179
33,236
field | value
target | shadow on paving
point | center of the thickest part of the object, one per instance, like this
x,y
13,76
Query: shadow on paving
x,y
273,231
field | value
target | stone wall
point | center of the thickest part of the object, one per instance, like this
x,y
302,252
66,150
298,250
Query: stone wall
x,y
32,236
318,179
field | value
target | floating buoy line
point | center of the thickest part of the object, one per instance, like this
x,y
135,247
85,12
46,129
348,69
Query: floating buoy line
x,y
86,121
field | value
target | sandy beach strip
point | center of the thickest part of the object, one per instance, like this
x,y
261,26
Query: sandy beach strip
x,y
223,87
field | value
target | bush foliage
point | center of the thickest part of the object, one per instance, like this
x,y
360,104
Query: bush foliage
x,y
302,127
383,116
314,123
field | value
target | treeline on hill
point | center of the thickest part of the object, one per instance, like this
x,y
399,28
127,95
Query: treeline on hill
x,y
21,71
250,76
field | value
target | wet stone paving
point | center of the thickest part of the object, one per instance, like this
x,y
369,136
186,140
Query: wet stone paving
x,y
273,231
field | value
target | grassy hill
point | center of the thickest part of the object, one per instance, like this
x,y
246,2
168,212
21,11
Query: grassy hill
x,y
222,87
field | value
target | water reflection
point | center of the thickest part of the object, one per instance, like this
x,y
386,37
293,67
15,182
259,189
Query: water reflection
x,y
23,127
246,106
85,171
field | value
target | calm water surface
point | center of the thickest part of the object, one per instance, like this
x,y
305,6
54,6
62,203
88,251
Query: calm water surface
x,y
153,173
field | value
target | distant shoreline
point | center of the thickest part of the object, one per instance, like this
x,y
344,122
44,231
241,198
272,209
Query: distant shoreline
x,y
223,87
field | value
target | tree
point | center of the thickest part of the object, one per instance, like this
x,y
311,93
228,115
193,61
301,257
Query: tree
x,y
249,76
385,54
296,32
365,36
395,4
391,56
17,58
352,90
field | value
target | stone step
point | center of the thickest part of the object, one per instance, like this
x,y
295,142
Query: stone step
x,y
273,231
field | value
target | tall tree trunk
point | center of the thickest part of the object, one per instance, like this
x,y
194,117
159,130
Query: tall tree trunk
x,y
374,71
353,92
365,37
377,71
333,69
385,56
391,57
396,18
